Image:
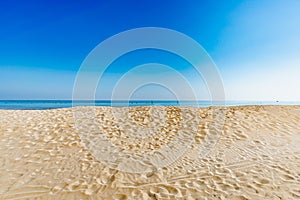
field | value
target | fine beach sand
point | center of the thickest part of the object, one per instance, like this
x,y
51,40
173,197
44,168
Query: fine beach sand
x,y
256,154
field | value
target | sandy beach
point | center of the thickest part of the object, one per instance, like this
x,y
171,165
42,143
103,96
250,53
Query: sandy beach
x,y
256,154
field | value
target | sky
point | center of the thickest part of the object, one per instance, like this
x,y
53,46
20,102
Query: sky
x,y
254,44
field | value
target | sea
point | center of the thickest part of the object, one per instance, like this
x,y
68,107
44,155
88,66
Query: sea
x,y
53,104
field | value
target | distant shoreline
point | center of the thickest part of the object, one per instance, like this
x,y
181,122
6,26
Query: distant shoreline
x,y
58,104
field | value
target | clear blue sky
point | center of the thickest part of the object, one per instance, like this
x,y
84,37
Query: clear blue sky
x,y
255,43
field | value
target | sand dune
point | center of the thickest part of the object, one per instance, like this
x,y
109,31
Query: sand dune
x,y
155,153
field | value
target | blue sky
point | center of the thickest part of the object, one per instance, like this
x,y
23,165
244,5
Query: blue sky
x,y
255,44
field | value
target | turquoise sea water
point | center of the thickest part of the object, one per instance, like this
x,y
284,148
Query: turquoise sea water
x,y
52,104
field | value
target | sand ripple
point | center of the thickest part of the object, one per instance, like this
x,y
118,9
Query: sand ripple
x,y
257,154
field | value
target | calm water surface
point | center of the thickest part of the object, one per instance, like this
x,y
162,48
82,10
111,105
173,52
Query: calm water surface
x,y
52,104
